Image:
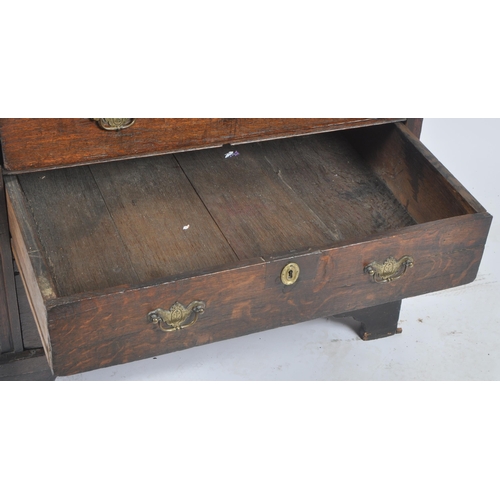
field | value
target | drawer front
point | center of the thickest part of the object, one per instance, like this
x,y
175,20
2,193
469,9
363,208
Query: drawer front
x,y
114,328
30,144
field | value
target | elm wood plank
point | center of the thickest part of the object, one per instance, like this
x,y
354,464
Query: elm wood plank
x,y
257,212
120,236
419,181
376,322
10,328
81,245
58,142
30,365
86,334
332,179
162,222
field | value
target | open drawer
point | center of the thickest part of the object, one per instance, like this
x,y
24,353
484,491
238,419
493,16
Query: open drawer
x,y
141,257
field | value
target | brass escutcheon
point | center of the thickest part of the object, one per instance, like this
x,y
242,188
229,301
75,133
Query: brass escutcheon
x,y
114,123
175,317
390,270
290,274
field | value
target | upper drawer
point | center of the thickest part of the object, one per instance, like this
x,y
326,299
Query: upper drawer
x,y
47,143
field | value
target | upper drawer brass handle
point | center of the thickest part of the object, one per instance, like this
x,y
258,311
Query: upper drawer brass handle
x,y
390,270
114,123
175,317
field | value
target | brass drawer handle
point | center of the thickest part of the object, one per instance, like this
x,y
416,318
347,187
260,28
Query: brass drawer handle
x,y
114,123
176,315
390,270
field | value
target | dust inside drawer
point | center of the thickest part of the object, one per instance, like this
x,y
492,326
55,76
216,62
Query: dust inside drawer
x,y
134,224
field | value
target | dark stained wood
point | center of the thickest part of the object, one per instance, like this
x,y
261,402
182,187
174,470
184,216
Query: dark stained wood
x,y
31,337
376,322
109,236
257,212
288,194
259,200
415,126
58,142
29,365
81,244
29,256
86,334
10,329
162,223
419,181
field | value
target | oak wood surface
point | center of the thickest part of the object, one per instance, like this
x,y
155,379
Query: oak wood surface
x,y
142,219
81,244
30,257
292,194
31,337
121,225
10,328
88,333
58,142
94,328
162,222
420,182
257,212
414,125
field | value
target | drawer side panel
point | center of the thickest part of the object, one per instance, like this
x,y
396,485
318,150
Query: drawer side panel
x,y
420,182
31,263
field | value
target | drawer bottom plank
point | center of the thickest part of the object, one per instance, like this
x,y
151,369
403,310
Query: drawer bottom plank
x,y
305,192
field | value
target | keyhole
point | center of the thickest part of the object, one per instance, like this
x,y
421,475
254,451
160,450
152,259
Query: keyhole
x,y
290,274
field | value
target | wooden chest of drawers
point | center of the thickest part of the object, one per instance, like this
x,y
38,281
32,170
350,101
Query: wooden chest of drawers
x,y
168,234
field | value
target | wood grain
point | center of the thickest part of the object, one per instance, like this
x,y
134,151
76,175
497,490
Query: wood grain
x,y
86,335
414,125
31,337
30,257
162,222
420,182
10,328
81,244
153,226
277,196
258,214
59,142
272,205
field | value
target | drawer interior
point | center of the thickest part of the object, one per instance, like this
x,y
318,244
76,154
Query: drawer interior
x,y
132,221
